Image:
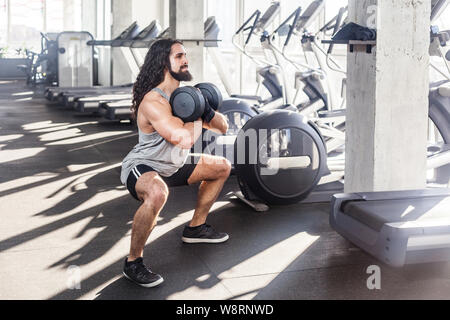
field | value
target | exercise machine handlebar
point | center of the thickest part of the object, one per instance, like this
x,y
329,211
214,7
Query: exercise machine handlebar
x,y
295,14
291,31
437,7
255,17
268,16
337,26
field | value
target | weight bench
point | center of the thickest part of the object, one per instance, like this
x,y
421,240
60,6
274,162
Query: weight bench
x,y
398,228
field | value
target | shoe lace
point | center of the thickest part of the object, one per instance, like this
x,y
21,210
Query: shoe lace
x,y
209,229
141,269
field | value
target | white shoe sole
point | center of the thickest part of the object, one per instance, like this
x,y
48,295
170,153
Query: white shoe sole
x,y
149,285
200,240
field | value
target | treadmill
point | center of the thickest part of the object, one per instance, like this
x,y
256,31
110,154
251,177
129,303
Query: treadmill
x,y
60,93
399,227
121,110
57,93
89,103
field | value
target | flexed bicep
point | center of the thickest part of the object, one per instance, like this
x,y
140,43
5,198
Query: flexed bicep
x,y
171,128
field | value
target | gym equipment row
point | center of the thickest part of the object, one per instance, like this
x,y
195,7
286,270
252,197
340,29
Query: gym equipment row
x,y
88,99
114,103
329,118
396,227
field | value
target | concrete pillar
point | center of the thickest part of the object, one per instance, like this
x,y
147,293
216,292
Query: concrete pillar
x,y
165,22
186,22
44,16
8,21
89,17
68,10
103,32
145,11
122,12
72,15
387,98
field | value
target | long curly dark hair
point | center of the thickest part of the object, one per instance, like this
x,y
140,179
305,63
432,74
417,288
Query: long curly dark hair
x,y
152,72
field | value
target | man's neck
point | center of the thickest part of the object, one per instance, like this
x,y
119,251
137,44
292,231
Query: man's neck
x,y
169,85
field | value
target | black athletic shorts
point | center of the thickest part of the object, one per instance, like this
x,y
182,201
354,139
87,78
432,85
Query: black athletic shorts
x,y
180,178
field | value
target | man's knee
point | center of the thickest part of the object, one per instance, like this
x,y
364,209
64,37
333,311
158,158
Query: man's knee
x,y
155,192
224,168
158,193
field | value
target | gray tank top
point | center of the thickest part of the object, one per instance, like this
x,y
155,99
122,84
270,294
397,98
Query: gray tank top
x,y
154,151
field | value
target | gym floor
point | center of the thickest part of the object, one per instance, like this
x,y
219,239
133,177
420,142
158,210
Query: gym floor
x,y
62,205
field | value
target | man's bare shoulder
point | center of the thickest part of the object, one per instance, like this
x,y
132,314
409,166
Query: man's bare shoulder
x,y
154,103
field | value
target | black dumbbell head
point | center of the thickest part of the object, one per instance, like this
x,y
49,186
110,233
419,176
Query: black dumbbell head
x,y
211,93
187,103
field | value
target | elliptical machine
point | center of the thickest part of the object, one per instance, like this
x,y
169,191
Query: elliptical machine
x,y
331,119
279,156
284,149
268,74
240,108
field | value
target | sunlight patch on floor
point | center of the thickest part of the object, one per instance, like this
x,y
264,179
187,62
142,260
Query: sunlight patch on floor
x,y
10,137
65,126
286,250
25,93
60,135
42,125
79,167
86,138
18,154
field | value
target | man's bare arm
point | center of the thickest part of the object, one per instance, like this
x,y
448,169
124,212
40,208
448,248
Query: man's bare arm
x,y
172,129
218,124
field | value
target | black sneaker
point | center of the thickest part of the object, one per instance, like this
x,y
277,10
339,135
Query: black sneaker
x,y
203,234
137,272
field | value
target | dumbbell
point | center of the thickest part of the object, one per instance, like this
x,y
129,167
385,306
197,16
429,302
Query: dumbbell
x,y
211,93
188,103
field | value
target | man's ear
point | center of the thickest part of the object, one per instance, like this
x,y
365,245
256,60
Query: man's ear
x,y
167,67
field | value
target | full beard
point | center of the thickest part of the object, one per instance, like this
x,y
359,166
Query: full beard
x,y
182,76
